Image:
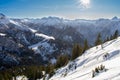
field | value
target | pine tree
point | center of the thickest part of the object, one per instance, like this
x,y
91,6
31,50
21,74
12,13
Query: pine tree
x,y
93,73
62,61
107,39
86,45
77,51
97,70
98,40
2,77
52,67
111,37
116,34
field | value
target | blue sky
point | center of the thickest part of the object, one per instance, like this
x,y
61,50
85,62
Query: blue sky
x,y
71,9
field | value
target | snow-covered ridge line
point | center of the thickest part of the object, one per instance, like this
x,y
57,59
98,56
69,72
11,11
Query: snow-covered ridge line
x,y
2,34
87,28
45,36
59,18
108,56
33,30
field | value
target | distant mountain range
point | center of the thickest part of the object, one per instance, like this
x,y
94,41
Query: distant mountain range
x,y
40,40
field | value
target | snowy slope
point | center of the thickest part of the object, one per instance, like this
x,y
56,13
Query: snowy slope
x,y
7,21
43,43
43,47
45,36
91,59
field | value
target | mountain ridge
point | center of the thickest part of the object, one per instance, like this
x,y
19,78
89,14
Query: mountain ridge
x,y
62,34
108,56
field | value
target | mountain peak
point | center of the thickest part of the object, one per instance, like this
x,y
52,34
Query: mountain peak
x,y
115,18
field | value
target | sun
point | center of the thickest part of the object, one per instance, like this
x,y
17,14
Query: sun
x,y
84,3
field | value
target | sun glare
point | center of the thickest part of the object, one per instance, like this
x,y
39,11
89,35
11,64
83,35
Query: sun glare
x,y
84,3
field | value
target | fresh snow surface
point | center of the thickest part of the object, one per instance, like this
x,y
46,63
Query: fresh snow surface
x,y
45,36
33,30
2,34
91,59
21,78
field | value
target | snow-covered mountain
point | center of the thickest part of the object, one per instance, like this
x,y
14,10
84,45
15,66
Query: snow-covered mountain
x,y
83,67
86,28
49,36
19,41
